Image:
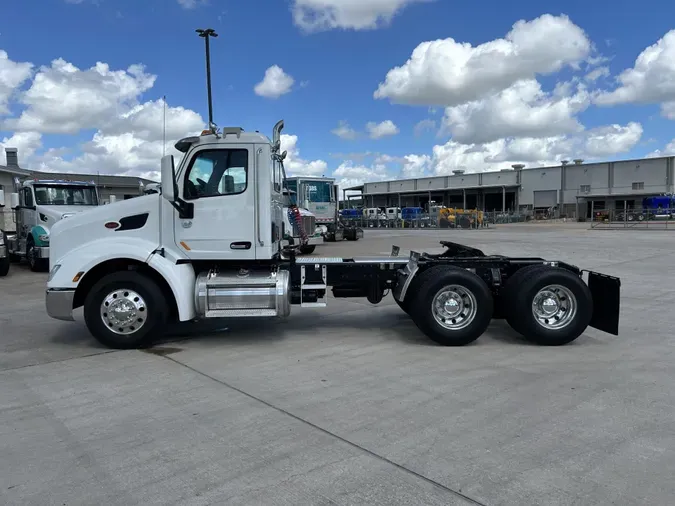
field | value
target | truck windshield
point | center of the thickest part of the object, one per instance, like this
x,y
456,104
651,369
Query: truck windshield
x,y
318,191
65,195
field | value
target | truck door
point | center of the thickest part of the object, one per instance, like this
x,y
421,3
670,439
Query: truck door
x,y
26,216
220,183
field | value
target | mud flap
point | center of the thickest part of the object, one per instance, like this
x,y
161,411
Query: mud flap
x,y
606,293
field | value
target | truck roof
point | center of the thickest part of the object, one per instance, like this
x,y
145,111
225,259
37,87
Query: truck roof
x,y
58,182
228,135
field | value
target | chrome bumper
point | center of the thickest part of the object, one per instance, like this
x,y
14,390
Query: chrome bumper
x,y
60,303
41,251
3,251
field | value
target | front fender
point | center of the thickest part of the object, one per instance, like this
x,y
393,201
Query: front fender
x,y
180,278
36,232
90,254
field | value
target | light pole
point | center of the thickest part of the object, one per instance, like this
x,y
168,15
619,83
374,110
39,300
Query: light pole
x,y
206,34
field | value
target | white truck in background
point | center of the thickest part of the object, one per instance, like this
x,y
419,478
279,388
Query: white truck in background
x,y
38,204
300,228
4,255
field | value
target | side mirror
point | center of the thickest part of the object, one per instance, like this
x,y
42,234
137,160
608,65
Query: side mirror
x,y
2,198
14,200
283,155
168,178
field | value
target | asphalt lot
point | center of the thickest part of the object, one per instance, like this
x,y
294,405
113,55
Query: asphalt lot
x,y
350,404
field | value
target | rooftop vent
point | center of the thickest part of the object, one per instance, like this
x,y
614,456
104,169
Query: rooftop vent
x,y
458,172
578,161
518,166
564,162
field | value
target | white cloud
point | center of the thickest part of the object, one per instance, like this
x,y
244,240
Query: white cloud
x,y
64,99
26,142
650,81
597,73
522,110
612,139
321,15
447,72
531,151
275,83
416,165
12,75
423,126
127,138
349,174
386,128
669,150
297,166
344,131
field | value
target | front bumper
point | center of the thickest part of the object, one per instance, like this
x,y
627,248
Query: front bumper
x,y
41,251
59,303
3,251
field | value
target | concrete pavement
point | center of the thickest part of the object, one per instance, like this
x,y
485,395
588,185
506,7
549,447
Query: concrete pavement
x,y
351,404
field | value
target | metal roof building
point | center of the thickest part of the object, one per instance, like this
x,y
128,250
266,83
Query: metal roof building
x,y
569,188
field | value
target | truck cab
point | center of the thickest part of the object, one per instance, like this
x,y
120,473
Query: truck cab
x,y
38,205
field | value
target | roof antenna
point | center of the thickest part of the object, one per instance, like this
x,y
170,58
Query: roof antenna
x,y
206,34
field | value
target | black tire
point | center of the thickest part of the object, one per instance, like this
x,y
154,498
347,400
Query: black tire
x,y
429,284
307,249
154,314
36,264
523,287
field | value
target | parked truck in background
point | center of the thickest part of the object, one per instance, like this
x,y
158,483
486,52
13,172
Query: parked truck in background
x,y
300,228
4,255
38,204
320,195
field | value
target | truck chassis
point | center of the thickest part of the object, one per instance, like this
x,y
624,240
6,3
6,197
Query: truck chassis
x,y
451,297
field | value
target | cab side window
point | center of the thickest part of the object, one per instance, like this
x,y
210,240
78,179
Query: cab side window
x,y
27,198
218,172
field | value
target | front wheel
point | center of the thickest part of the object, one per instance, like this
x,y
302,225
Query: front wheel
x,y
307,249
125,310
36,264
451,305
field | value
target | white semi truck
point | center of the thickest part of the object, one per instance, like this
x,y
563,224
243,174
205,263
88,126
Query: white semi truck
x,y
38,204
210,246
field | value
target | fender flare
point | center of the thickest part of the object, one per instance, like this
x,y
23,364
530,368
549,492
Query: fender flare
x,y
36,231
180,278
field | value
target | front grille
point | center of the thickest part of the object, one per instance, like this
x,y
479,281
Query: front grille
x,y
309,224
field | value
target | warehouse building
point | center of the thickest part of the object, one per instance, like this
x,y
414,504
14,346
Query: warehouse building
x,y
121,187
573,189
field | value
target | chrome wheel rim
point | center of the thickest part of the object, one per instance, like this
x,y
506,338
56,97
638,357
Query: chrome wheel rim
x,y
124,311
554,307
454,307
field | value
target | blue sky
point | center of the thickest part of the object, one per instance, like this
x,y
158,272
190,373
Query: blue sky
x,y
336,71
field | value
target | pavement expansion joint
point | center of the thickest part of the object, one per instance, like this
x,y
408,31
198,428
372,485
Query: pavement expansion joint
x,y
371,453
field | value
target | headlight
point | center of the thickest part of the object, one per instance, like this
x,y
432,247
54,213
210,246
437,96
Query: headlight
x,y
43,237
53,272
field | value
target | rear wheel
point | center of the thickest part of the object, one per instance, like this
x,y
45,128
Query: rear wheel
x,y
451,305
125,310
549,306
